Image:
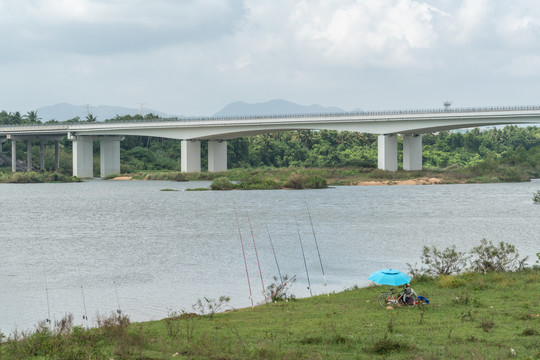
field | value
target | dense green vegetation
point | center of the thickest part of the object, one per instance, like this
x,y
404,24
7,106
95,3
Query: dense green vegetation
x,y
35,177
470,316
508,154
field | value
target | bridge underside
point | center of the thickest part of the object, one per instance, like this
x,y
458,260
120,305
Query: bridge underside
x,y
83,153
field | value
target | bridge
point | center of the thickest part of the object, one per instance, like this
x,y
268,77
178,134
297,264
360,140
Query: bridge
x,y
410,124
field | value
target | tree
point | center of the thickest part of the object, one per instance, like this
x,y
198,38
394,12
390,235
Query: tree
x,y
91,118
32,117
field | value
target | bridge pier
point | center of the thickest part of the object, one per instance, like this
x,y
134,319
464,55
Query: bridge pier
x,y
13,155
190,153
29,139
28,155
2,141
56,155
217,156
83,155
110,157
387,152
41,154
412,152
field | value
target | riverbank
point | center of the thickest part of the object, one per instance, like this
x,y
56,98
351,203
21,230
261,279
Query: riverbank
x,y
473,315
35,177
276,178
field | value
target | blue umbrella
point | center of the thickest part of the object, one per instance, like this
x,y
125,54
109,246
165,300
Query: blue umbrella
x,y
390,277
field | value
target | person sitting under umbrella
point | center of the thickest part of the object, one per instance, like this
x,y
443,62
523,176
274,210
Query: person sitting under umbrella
x,y
408,293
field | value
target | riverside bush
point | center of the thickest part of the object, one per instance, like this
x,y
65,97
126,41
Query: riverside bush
x,y
222,183
296,181
316,182
491,258
536,197
484,258
446,262
36,177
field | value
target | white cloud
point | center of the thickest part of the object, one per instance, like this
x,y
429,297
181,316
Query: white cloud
x,y
365,32
195,56
106,27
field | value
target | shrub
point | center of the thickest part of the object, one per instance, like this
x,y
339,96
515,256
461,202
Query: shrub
x,y
178,176
277,291
536,197
222,183
209,307
296,181
490,258
316,182
445,262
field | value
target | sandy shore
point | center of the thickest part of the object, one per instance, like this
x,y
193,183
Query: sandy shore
x,y
419,181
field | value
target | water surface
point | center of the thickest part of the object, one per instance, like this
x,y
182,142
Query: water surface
x,y
97,246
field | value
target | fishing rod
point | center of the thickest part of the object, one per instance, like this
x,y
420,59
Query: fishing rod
x,y
275,257
277,265
256,254
304,256
47,293
48,320
243,253
316,244
118,311
85,316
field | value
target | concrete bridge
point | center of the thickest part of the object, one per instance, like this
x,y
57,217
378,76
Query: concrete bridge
x,y
410,124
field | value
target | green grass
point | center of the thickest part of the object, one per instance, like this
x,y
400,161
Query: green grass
x,y
269,178
471,316
24,177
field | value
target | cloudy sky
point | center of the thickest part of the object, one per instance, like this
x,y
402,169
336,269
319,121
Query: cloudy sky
x,y
193,57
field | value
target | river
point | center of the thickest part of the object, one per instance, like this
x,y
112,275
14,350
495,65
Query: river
x,y
97,246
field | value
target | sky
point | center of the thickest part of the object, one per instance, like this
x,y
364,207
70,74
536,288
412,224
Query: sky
x,y
193,57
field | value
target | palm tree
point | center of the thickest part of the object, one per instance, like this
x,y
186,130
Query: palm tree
x,y
32,117
91,118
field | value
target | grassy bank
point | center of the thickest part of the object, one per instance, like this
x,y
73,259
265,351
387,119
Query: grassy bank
x,y
35,177
278,177
480,316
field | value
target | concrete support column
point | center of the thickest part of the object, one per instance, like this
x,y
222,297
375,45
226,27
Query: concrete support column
x,y
29,155
42,155
190,156
13,155
110,156
83,157
2,141
387,152
56,155
217,156
412,152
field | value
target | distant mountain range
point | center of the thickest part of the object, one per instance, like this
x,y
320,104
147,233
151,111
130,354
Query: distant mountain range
x,y
273,107
64,111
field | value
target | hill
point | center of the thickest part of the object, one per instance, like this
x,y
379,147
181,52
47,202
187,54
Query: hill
x,y
64,111
273,107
